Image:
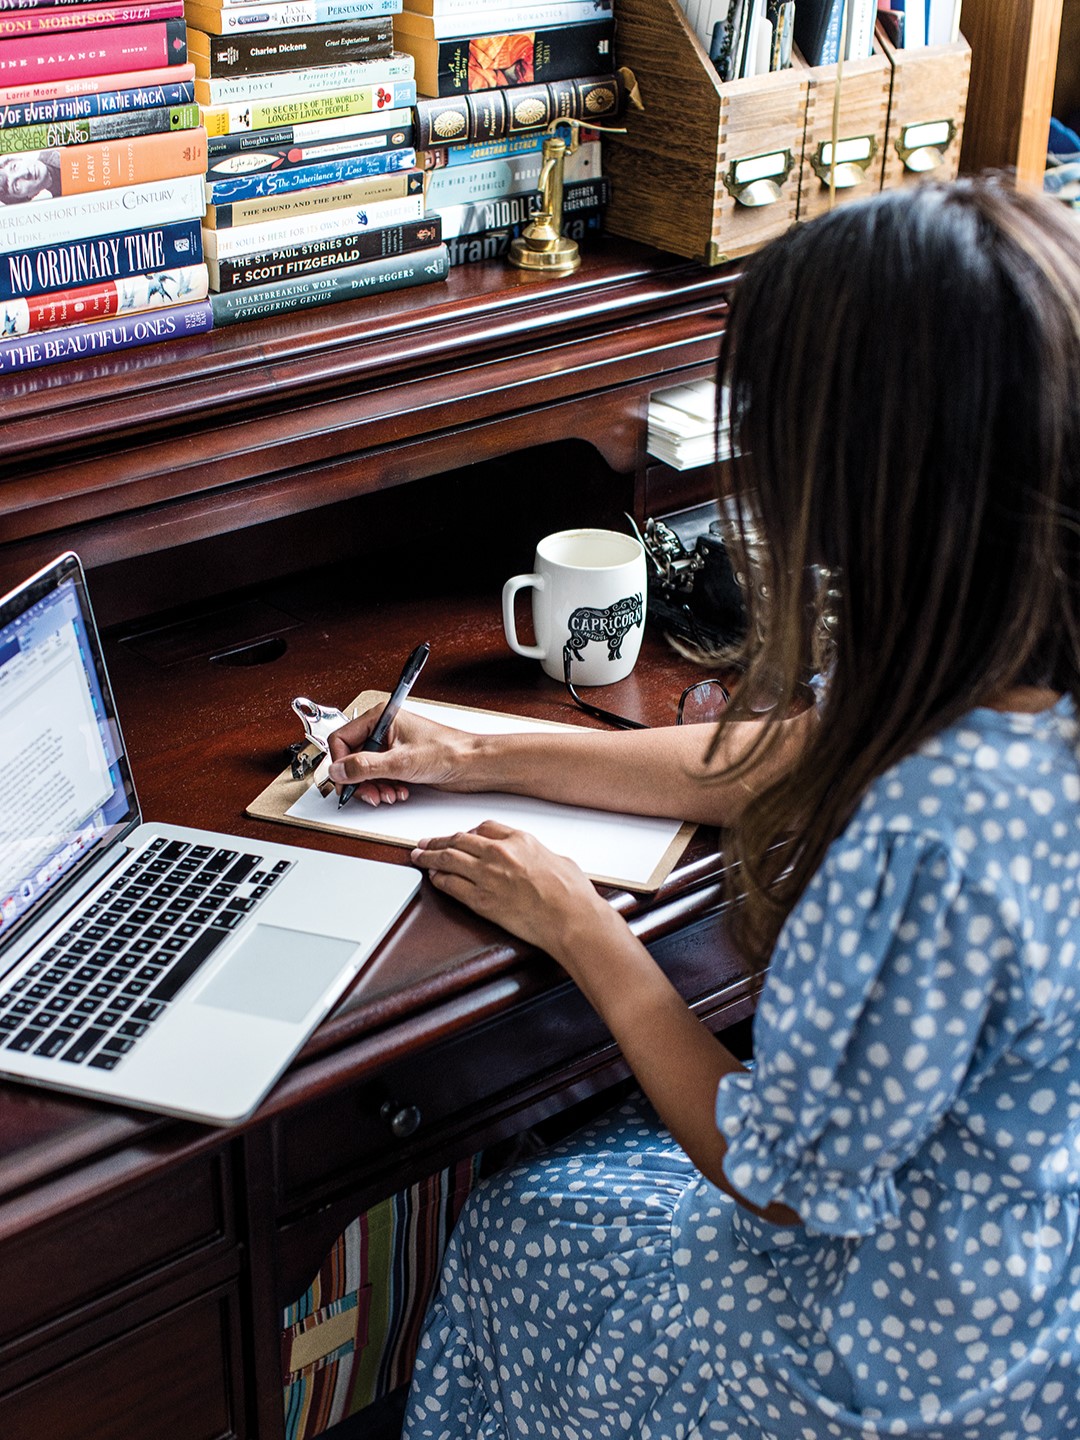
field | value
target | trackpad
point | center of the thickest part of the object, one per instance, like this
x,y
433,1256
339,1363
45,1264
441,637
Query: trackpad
x,y
278,974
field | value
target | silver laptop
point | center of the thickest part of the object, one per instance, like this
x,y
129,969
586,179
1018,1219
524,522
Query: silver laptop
x,y
154,965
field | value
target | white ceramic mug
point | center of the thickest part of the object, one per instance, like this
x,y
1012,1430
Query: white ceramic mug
x,y
588,602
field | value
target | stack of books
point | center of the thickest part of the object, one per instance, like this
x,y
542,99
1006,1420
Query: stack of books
x,y
489,80
313,193
102,163
911,24
682,426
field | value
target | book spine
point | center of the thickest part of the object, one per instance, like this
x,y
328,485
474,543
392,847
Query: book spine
x,y
216,55
861,29
285,158
65,266
87,17
502,211
288,262
359,128
81,109
98,127
85,86
222,20
493,114
834,34
292,85
8,5
372,278
495,244
440,157
119,47
109,297
483,62
344,220
109,165
264,209
307,177
447,25
78,217
466,184
75,342
295,110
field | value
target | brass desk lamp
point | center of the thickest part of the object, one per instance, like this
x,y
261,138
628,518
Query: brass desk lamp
x,y
542,245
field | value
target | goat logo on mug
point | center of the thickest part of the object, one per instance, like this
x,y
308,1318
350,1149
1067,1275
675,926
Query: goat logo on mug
x,y
588,623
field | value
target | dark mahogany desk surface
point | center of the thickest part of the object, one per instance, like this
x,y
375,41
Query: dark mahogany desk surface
x,y
206,736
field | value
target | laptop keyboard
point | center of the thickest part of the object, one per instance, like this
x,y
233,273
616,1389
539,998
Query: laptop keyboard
x,y
97,990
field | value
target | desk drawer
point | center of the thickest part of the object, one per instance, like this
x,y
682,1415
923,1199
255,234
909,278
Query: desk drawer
x,y
104,1241
177,1376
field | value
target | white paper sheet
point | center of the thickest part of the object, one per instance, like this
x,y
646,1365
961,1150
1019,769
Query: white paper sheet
x,y
621,848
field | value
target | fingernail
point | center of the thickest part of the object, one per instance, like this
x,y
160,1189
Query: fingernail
x,y
369,801
336,772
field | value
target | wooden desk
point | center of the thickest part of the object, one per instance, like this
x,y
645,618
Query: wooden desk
x,y
146,1262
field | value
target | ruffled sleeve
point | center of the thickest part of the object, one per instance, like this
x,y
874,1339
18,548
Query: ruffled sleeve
x,y
867,1026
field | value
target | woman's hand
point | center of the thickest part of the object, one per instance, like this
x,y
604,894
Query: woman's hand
x,y
507,876
420,752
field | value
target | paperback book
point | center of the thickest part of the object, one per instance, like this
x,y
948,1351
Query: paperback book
x,y
282,158
373,189
443,25
396,166
357,127
372,278
487,179
301,108
118,48
103,85
51,20
289,261
116,256
504,211
223,19
215,56
495,244
78,217
108,297
39,175
75,342
56,133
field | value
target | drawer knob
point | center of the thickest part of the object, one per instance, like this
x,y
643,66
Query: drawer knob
x,y
403,1120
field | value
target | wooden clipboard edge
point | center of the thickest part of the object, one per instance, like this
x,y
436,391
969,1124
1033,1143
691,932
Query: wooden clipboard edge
x,y
273,802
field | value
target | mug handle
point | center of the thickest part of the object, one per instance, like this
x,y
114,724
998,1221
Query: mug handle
x,y
510,590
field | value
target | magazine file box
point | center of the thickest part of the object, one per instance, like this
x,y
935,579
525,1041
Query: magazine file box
x,y
864,115
707,170
927,105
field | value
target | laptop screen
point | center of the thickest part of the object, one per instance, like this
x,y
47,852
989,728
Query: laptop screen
x,y
65,787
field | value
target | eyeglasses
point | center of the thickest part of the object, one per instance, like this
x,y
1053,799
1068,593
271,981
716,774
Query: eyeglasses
x,y
699,704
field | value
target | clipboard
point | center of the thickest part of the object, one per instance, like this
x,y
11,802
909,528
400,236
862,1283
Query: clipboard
x,y
630,852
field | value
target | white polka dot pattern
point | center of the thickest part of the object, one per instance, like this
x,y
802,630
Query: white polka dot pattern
x,y
915,1098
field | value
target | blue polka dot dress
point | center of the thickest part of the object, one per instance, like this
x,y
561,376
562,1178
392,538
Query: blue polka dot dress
x,y
915,1098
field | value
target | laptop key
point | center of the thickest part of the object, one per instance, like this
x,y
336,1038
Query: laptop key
x,y
53,1044
105,1060
25,1039
197,953
77,1052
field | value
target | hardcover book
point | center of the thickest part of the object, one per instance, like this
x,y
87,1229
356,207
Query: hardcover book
x,y
117,48
358,127
78,217
343,220
285,157
444,25
52,19
513,175
819,30
487,62
492,114
217,55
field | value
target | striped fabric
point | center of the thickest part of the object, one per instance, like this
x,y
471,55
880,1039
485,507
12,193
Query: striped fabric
x,y
352,1336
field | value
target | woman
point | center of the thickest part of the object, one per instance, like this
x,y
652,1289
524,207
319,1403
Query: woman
x,y
876,1230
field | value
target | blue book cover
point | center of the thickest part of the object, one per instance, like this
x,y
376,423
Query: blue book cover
x,y
74,263
306,177
109,102
75,342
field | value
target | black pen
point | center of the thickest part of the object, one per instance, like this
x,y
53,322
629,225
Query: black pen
x,y
377,739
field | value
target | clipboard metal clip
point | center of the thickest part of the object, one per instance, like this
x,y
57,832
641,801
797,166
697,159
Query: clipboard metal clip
x,y
319,722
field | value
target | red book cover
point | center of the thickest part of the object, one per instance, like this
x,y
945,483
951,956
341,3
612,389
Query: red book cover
x,y
109,297
94,84
92,52
86,17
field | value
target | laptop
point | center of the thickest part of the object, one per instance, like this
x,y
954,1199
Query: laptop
x,y
158,966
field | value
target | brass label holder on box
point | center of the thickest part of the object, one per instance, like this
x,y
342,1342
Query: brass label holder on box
x,y
757,180
542,245
922,146
853,159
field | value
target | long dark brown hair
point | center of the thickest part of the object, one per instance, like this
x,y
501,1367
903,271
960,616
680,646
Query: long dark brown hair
x,y
904,381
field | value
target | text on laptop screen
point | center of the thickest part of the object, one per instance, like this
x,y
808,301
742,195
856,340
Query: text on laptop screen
x,y
62,784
